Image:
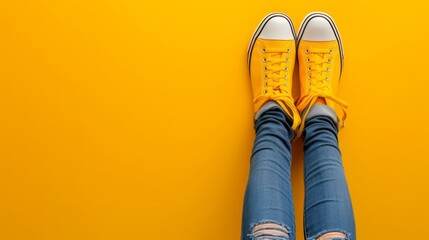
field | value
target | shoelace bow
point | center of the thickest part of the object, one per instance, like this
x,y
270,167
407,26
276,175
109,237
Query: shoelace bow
x,y
318,63
275,68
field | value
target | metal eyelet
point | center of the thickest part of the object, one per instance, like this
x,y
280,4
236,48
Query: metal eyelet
x,y
330,51
287,59
309,77
329,60
265,91
287,91
326,78
264,60
306,50
285,77
308,59
265,84
265,68
288,50
263,50
328,69
309,68
286,68
265,76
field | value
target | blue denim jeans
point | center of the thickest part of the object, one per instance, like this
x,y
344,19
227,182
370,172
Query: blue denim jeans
x,y
268,197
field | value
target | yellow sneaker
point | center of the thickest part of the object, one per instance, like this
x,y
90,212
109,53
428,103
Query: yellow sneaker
x,y
320,57
271,59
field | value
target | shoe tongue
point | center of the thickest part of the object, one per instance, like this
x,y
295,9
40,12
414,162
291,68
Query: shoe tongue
x,y
320,65
277,56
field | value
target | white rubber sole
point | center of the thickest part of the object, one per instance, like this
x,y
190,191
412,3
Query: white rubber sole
x,y
259,30
333,26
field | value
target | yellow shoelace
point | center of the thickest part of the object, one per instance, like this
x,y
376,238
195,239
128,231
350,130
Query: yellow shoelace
x,y
318,63
276,66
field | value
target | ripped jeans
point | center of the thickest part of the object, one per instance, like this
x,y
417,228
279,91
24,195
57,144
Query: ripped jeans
x,y
268,197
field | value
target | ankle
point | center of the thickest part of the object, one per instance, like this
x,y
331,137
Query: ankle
x,y
321,110
265,107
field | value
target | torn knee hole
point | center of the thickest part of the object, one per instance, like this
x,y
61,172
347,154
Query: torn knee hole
x,y
332,235
269,231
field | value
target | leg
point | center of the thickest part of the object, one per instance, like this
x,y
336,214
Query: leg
x,y
328,210
268,205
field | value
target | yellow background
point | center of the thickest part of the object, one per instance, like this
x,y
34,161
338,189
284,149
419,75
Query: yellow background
x,y
133,119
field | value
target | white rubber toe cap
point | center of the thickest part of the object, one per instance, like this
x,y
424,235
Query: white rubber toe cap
x,y
277,28
318,29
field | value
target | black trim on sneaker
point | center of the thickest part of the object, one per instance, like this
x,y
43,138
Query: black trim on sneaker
x,y
259,30
333,26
